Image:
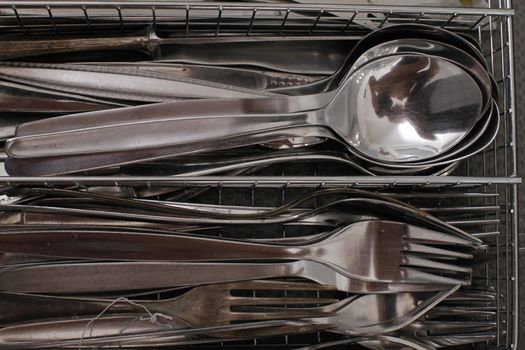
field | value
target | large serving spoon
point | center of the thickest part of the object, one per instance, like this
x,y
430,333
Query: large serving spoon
x,y
459,47
480,137
380,36
461,58
400,107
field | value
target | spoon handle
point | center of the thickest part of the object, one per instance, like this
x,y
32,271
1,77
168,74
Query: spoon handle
x,y
153,132
190,134
185,109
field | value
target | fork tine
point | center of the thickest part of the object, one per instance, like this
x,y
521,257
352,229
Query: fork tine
x,y
280,301
415,275
427,263
459,339
444,311
471,296
279,285
422,248
269,314
453,327
405,286
435,237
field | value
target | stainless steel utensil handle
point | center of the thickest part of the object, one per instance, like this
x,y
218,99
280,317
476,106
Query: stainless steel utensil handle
x,y
106,244
16,48
175,110
23,336
191,134
75,163
152,132
22,307
105,277
31,334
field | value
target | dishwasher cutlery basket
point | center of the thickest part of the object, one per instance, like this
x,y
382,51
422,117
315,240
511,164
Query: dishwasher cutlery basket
x,y
480,196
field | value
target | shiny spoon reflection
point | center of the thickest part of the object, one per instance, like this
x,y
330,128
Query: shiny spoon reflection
x,y
398,108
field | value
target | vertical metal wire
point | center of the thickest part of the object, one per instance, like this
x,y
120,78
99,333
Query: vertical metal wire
x,y
86,16
476,24
187,23
51,18
510,95
503,51
19,20
385,20
154,18
283,23
252,19
219,18
319,15
350,21
121,20
449,20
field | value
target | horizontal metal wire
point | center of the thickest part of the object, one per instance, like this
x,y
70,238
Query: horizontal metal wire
x,y
263,181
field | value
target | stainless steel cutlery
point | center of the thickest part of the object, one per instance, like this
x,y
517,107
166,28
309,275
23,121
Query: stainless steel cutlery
x,y
176,136
351,112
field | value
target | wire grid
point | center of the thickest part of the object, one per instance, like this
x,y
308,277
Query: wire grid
x,y
223,18
481,198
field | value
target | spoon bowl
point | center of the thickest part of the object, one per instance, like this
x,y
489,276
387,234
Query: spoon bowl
x,y
482,136
406,107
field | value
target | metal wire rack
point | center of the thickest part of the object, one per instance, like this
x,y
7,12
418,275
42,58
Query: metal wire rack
x,y
481,197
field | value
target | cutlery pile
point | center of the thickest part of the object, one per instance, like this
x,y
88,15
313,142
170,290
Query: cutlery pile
x,y
405,99
153,266
84,267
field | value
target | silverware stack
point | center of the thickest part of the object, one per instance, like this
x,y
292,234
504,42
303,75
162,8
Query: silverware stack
x,y
227,174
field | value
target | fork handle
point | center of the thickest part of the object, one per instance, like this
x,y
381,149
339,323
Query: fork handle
x,y
19,307
138,246
124,276
54,332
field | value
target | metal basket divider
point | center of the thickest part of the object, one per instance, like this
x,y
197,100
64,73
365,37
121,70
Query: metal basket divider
x,y
504,49
511,196
491,51
514,194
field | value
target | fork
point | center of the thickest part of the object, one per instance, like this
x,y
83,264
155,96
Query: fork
x,y
217,306
439,327
443,326
109,276
407,308
336,211
371,250
214,301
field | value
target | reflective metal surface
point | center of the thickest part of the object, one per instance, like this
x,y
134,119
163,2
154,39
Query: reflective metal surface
x,y
378,81
406,108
